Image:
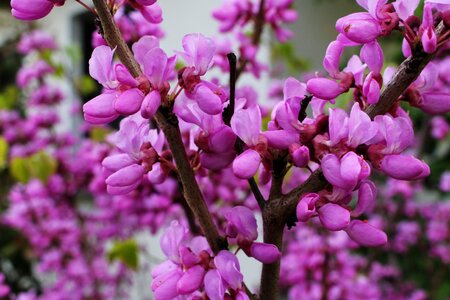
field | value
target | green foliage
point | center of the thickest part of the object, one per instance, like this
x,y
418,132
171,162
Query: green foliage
x,y
39,165
286,53
8,97
125,251
99,134
4,148
86,85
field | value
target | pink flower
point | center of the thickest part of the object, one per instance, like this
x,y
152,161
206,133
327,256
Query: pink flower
x,y
365,234
345,173
299,154
265,253
404,167
334,217
306,208
33,10
324,88
241,223
198,52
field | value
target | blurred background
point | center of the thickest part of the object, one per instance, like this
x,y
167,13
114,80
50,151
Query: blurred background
x,y
72,28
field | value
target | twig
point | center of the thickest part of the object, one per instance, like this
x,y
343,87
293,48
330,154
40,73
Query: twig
x,y
303,106
227,115
258,28
168,123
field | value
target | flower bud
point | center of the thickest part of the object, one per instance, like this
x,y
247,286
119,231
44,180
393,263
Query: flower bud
x,y
265,253
299,154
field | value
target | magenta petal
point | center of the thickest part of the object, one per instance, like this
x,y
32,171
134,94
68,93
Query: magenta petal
x,y
126,176
334,217
404,167
165,287
129,102
372,55
359,27
331,170
306,208
246,164
30,10
241,223
228,266
366,198
338,125
214,287
143,46
117,161
188,258
191,280
324,88
265,253
172,239
281,139
207,100
299,155
365,234
152,13
247,131
199,52
217,161
293,88
150,104
100,66
124,76
435,102
222,140
332,57
100,108
350,170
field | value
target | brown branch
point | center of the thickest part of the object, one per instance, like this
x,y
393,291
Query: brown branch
x,y
258,28
168,123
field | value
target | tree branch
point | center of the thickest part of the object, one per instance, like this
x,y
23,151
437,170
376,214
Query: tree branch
x,y
258,28
168,123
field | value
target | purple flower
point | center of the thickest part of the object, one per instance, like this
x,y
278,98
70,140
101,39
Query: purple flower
x,y
345,173
306,208
365,234
33,10
404,167
198,52
241,223
334,217
265,253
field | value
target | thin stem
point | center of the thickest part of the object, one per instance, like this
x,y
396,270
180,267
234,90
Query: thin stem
x,y
233,75
303,106
87,7
168,123
258,28
228,114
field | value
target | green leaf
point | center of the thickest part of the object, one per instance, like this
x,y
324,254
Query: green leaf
x,y
39,165
86,85
99,134
4,148
125,251
8,97
42,165
19,169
